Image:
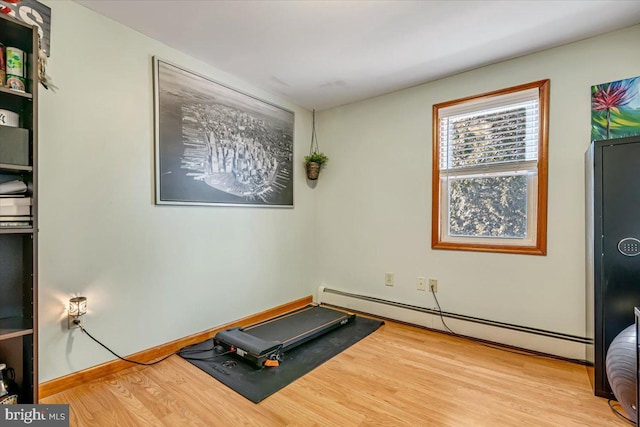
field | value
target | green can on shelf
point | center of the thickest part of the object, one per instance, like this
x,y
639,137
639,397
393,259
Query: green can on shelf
x,y
15,59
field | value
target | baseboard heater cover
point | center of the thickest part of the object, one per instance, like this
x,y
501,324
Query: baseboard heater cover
x,y
563,345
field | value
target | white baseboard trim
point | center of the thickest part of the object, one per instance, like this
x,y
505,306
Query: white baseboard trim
x,y
553,343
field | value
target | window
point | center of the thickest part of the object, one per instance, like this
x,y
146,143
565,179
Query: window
x,y
490,171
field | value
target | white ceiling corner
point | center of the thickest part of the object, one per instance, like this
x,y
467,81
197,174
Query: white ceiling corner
x,y
322,54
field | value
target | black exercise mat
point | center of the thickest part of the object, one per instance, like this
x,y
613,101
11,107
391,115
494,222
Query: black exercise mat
x,y
257,384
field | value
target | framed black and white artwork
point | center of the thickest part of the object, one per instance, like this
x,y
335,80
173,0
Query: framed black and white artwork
x,y
215,145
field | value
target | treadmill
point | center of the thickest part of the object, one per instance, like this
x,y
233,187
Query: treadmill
x,y
264,343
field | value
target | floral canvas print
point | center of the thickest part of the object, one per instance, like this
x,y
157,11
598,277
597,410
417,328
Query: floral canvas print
x,y
615,109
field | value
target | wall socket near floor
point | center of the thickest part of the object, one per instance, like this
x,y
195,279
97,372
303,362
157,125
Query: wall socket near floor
x,y
421,284
389,280
433,285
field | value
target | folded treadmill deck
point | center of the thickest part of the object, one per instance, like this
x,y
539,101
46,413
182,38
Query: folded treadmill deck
x,y
264,343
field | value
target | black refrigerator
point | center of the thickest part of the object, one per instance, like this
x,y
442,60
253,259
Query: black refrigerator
x,y
613,247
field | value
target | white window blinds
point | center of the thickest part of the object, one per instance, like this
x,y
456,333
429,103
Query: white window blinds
x,y
500,133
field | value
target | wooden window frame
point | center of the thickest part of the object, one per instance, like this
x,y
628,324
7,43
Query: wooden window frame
x,y
539,246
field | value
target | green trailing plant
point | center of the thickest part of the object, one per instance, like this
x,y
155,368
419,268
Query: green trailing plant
x,y
316,157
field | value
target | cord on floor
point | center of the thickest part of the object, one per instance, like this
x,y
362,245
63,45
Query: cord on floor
x,y
123,358
183,352
618,413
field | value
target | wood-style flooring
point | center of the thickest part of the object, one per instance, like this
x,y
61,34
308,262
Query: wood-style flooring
x,y
398,376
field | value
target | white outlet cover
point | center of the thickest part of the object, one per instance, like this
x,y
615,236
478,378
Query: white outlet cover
x,y
388,279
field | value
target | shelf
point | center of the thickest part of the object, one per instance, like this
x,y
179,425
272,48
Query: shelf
x,y
16,93
17,168
19,246
16,230
13,327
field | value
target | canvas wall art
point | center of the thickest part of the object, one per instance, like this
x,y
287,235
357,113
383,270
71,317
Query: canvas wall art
x,y
615,109
219,146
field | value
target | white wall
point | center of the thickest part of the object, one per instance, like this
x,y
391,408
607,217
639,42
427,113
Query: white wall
x,y
156,273
152,274
374,204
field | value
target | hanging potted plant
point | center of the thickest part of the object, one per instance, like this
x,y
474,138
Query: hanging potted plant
x,y
316,159
314,162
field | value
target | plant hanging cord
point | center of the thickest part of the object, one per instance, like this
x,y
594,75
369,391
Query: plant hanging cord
x,y
314,138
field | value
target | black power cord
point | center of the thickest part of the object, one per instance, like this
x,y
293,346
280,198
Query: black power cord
x,y
120,357
496,347
183,352
440,312
618,413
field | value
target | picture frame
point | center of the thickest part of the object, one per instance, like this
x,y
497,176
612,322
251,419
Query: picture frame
x,y
615,109
218,146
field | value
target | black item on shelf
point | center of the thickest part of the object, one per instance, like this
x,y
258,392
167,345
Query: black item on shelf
x,y
9,375
4,387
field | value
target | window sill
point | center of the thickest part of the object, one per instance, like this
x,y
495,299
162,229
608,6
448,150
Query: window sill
x,y
505,249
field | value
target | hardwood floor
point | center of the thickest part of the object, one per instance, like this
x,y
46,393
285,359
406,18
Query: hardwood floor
x,y
397,376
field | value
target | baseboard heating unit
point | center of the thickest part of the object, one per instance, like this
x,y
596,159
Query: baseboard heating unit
x,y
561,345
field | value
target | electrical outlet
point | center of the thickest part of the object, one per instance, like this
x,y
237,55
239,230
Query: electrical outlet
x,y
74,322
388,279
433,285
421,284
